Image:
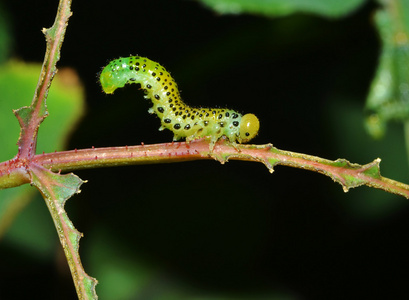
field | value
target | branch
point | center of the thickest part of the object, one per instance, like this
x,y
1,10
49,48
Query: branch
x,y
345,173
30,117
55,188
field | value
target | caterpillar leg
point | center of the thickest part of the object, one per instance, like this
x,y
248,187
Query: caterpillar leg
x,y
197,133
213,142
232,140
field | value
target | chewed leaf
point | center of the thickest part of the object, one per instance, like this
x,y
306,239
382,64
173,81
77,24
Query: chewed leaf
x,y
56,189
55,186
24,116
349,175
358,175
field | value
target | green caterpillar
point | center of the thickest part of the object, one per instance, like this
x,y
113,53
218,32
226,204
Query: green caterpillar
x,y
184,121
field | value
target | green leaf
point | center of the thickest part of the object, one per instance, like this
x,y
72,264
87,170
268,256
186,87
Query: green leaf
x,y
56,189
327,8
17,84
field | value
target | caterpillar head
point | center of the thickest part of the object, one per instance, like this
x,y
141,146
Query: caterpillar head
x,y
106,81
249,127
111,78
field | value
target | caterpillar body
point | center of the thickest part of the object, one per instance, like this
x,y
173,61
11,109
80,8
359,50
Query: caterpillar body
x,y
184,121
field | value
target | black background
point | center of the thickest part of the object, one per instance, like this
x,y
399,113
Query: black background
x,y
235,228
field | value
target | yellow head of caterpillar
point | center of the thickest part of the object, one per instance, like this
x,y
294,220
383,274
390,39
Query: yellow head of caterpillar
x,y
249,127
107,82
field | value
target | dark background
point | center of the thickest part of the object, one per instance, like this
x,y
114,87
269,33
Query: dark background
x,y
230,229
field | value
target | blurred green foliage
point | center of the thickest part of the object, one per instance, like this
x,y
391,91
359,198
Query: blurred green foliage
x,y
17,84
388,97
274,8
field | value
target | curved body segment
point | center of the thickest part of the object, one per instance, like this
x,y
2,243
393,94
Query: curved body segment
x,y
184,121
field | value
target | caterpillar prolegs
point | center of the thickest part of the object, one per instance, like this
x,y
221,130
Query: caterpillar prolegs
x,y
184,121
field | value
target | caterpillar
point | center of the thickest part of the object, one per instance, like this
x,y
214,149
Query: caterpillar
x,y
184,121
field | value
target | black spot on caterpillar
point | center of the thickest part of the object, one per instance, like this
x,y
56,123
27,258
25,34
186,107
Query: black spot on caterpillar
x,y
184,121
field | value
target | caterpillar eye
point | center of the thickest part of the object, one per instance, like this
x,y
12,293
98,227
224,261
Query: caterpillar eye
x,y
249,127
